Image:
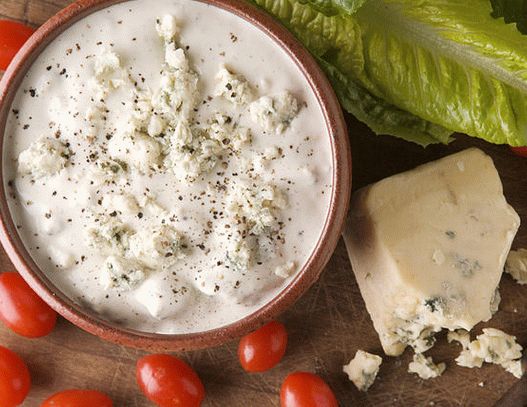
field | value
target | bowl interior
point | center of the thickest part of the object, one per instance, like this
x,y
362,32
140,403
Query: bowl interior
x,y
341,182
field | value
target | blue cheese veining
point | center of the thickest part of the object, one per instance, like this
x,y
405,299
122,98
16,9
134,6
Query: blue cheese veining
x,y
169,173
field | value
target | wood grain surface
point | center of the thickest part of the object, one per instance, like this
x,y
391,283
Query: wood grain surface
x,y
326,326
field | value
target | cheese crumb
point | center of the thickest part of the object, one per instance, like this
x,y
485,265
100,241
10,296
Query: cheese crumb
x,y
45,156
191,152
108,73
239,255
493,346
225,130
167,28
138,150
153,295
256,206
177,95
121,274
461,336
362,369
158,246
123,203
156,126
107,170
108,234
516,265
233,87
175,57
106,63
425,367
274,114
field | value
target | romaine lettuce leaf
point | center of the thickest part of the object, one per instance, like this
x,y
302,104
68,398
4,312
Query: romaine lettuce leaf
x,y
380,116
332,40
446,62
512,11
332,7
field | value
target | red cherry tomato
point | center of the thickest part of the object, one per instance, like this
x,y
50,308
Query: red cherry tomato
x,y
14,379
22,310
521,151
169,382
302,389
264,348
12,36
78,398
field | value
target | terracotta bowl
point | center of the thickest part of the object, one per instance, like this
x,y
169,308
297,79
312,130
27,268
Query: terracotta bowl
x,y
341,156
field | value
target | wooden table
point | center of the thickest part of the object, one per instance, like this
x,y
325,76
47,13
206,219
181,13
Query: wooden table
x,y
326,326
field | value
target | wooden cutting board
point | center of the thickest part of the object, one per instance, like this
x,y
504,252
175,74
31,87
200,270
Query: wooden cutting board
x,y
326,326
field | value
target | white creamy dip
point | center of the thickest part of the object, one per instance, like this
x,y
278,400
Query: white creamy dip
x,y
167,165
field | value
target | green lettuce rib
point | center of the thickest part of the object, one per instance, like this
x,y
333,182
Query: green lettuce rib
x,y
335,6
445,62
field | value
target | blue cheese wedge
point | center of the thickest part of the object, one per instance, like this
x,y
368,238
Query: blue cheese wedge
x,y
362,369
428,248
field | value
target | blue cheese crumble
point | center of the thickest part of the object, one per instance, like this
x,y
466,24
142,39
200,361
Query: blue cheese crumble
x,y
44,157
121,274
493,346
108,234
461,336
274,114
425,368
255,210
256,207
137,150
167,27
158,246
233,87
362,369
121,203
192,152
